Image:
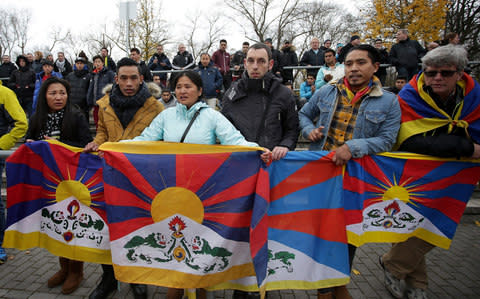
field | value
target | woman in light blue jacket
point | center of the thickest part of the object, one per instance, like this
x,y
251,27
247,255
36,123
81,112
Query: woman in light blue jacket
x,y
209,125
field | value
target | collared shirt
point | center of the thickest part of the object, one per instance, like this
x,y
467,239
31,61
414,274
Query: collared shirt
x,y
345,116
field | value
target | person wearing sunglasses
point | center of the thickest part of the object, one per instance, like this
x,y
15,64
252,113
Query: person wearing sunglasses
x,y
439,118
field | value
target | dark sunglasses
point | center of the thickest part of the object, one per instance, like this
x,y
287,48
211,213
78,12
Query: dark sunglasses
x,y
444,73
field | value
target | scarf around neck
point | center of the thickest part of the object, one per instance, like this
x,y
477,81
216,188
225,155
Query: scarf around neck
x,y
126,107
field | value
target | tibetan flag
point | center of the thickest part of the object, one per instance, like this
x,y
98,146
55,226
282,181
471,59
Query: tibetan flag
x,y
307,240
182,215
55,201
421,114
393,196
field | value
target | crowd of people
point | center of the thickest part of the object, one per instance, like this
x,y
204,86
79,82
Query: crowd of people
x,y
246,99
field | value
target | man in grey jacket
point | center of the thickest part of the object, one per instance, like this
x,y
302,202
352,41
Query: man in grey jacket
x,y
355,118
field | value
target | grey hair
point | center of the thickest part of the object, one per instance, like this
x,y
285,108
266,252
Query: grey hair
x,y
451,55
404,31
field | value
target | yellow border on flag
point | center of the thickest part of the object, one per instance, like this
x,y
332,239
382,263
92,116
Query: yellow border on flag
x,y
392,237
21,241
283,285
69,147
176,279
161,147
412,156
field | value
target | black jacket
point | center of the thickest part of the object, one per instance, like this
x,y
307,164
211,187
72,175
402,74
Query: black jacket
x,y
6,70
22,81
245,103
82,136
184,60
238,59
310,58
145,72
79,82
343,52
406,53
289,58
97,82
67,68
277,61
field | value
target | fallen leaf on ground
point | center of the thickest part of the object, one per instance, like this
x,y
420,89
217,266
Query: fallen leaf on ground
x,y
356,272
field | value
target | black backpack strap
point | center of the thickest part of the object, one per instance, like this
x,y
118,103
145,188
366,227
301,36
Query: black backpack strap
x,y
190,124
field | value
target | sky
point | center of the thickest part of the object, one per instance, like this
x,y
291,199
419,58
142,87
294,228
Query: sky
x,y
80,16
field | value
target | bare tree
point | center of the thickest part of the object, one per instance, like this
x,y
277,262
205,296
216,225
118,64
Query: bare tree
x,y
210,29
463,17
13,29
255,19
149,28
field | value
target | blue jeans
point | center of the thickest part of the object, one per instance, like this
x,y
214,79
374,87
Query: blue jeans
x,y
2,205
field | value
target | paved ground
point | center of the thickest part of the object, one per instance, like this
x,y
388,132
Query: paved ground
x,y
453,273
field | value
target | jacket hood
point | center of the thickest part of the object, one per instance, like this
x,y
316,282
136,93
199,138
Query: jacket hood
x,y
291,48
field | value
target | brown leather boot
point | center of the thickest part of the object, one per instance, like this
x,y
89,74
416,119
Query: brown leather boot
x,y
328,295
173,293
74,277
59,277
341,292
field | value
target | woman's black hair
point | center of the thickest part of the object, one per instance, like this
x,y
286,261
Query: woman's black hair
x,y
38,120
192,75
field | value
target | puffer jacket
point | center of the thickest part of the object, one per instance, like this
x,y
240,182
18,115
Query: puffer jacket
x,y
13,121
22,81
97,82
246,102
211,78
110,128
210,124
79,82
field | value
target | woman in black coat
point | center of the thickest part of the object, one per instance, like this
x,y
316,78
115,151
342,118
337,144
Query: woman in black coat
x,y
57,118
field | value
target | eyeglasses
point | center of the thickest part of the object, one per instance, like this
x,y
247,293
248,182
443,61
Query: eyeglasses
x,y
444,73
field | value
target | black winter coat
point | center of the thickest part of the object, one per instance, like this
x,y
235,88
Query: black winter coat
x,y
19,80
79,82
245,103
310,58
6,70
406,53
67,70
82,128
97,82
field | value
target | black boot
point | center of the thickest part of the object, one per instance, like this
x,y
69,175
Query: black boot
x,y
139,290
107,285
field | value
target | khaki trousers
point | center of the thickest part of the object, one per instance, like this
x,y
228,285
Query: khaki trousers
x,y
406,260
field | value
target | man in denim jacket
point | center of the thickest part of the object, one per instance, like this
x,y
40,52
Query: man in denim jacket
x,y
355,118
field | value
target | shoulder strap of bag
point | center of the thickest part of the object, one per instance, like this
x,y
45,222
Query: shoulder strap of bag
x,y
190,124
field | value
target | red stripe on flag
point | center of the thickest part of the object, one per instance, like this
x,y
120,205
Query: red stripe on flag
x,y
353,217
258,236
414,169
451,207
236,220
194,170
305,177
123,165
243,188
122,197
66,160
327,224
23,193
408,113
